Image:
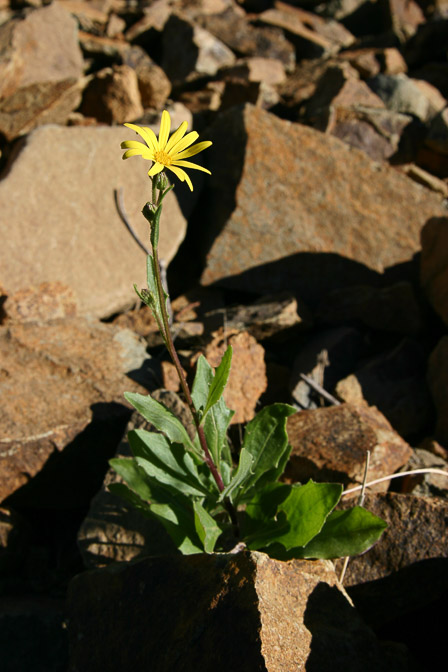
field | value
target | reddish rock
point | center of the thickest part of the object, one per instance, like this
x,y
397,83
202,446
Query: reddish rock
x,y
153,84
113,96
331,444
434,264
247,380
48,301
52,373
40,64
404,16
288,231
235,612
438,384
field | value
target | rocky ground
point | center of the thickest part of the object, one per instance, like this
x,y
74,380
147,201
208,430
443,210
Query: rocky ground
x,y
318,248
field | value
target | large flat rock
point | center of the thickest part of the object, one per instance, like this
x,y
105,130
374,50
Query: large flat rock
x,y
291,207
63,225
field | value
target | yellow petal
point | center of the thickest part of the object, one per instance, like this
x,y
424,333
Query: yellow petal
x,y
182,175
191,151
147,134
185,142
188,164
157,168
165,125
145,152
177,135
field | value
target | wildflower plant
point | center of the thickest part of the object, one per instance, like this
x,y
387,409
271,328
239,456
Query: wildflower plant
x,y
192,486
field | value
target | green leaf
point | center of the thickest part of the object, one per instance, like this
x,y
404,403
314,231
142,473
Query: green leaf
x,y
347,532
206,527
162,419
300,515
133,475
201,384
263,450
215,429
124,492
173,509
167,463
219,381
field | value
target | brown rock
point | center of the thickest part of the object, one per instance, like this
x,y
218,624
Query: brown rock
x,y
437,381
247,40
429,483
394,382
153,84
154,17
405,16
247,380
271,316
434,264
58,197
407,569
392,308
52,373
256,69
331,444
423,177
312,35
392,61
275,615
113,96
189,50
40,64
313,209
364,61
48,301
90,16
99,47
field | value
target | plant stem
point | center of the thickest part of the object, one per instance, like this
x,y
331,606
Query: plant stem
x,y
173,354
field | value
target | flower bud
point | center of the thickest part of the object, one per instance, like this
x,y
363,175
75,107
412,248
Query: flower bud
x,y
161,181
149,210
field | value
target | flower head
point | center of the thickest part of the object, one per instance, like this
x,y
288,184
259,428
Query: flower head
x,y
166,152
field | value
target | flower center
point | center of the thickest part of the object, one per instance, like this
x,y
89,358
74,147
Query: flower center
x,y
162,157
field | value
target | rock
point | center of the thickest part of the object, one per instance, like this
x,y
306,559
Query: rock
x,y
326,358
60,187
247,40
247,379
423,177
407,568
437,381
40,65
153,84
309,42
402,94
437,137
190,50
273,316
312,228
425,484
434,264
405,16
276,615
33,633
91,19
395,383
48,301
113,96
392,61
257,69
393,308
114,531
331,444
339,88
102,49
58,377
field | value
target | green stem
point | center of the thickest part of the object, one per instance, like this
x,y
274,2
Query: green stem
x,y
173,354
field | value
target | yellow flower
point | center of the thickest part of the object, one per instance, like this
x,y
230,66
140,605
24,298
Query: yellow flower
x,y
166,153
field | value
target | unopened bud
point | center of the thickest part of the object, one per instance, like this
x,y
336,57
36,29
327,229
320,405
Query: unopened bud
x,y
149,210
161,181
